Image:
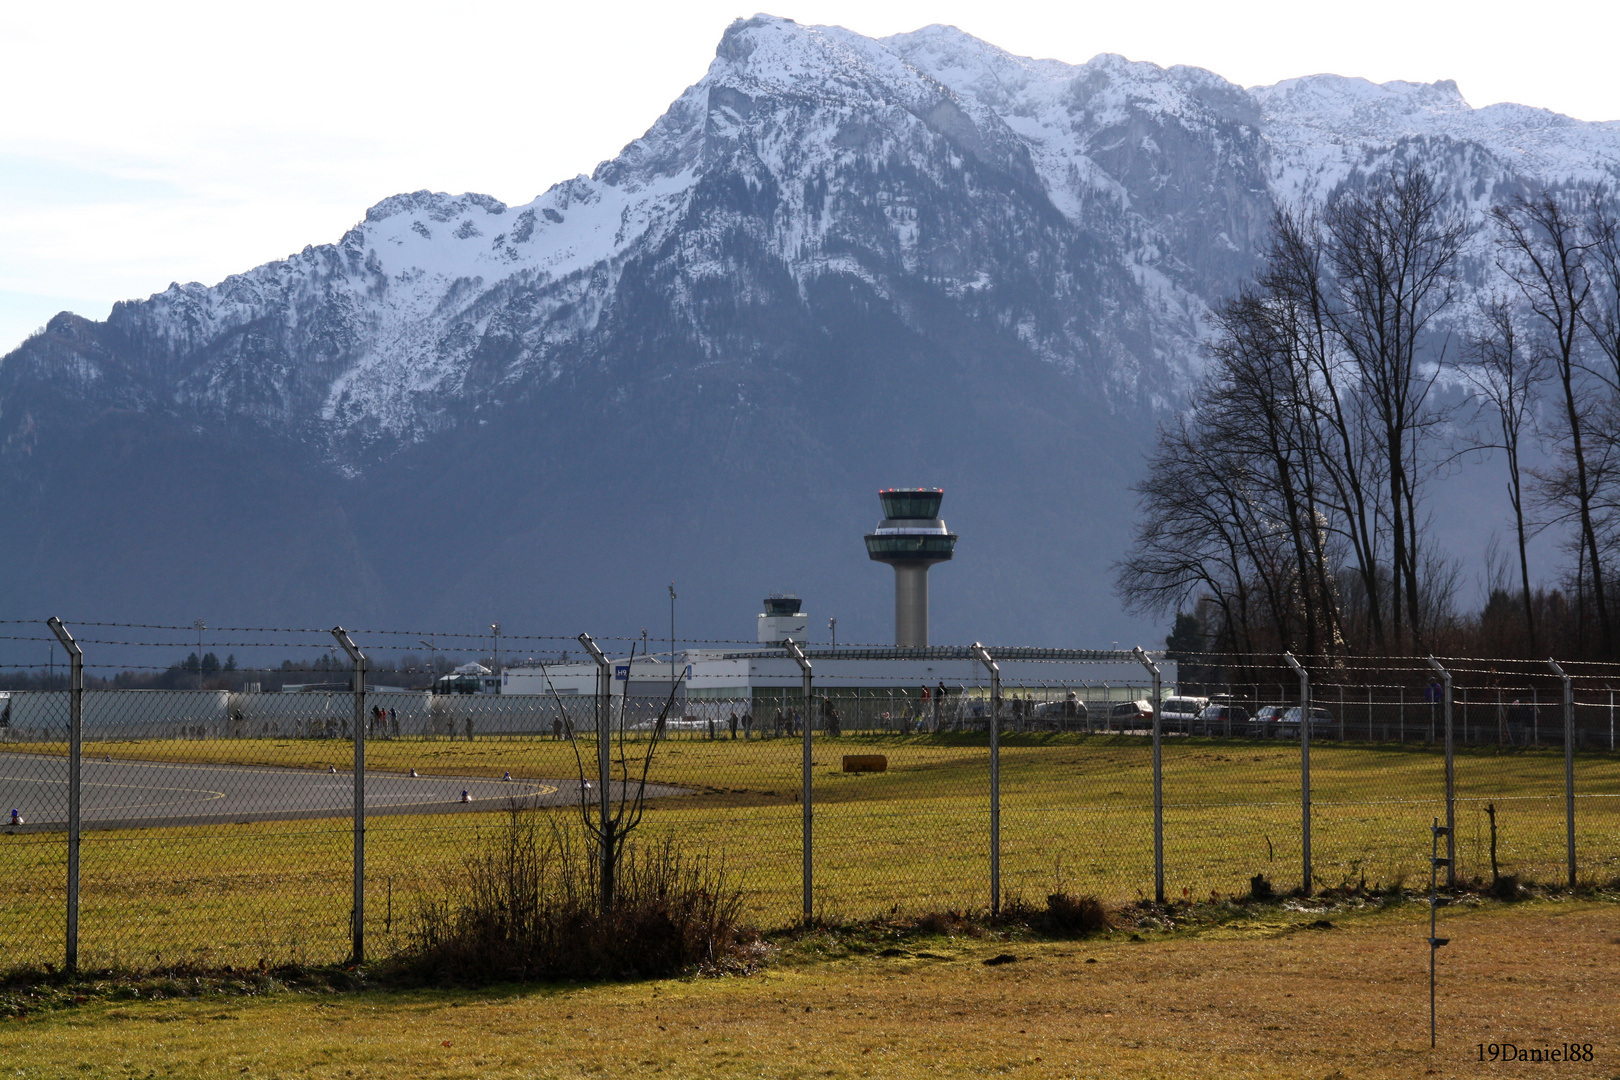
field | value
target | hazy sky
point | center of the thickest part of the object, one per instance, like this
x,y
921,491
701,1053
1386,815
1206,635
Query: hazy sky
x,y
147,143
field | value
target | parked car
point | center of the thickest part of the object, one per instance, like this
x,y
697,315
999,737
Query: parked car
x,y
1124,712
1182,711
1264,721
1222,719
1320,719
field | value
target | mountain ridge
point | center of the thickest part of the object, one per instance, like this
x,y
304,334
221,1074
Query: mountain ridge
x,y
1028,247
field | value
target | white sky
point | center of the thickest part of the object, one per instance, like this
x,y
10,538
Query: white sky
x,y
144,143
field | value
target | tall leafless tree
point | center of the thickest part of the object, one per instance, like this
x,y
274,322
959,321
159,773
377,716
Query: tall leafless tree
x,y
1545,251
1506,376
1392,251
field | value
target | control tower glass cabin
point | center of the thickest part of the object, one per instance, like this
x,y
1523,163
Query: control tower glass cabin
x,y
911,538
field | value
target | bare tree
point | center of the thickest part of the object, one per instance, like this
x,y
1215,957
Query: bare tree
x,y
1262,410
1392,248
1506,376
1545,252
608,833
1190,539
1350,471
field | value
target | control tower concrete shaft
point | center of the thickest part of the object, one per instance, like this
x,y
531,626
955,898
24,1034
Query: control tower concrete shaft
x,y
911,538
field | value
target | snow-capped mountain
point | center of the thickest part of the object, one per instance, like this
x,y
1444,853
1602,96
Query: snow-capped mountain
x,y
831,260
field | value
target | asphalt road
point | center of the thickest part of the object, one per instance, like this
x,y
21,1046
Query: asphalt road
x,y
150,794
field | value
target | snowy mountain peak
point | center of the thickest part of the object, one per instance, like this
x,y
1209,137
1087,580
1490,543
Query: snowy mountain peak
x,y
436,205
776,53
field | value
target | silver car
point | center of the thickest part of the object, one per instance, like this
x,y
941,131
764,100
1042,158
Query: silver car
x,y
1321,719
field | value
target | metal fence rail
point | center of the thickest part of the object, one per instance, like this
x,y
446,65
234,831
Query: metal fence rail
x,y
211,826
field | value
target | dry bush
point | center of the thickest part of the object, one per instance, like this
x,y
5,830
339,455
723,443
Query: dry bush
x,y
1076,914
526,906
1508,887
1065,914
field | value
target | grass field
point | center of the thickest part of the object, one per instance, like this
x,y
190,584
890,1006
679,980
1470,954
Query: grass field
x,y
1076,811
1266,996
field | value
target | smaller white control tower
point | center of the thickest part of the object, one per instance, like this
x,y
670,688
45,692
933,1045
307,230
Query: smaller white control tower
x,y
782,619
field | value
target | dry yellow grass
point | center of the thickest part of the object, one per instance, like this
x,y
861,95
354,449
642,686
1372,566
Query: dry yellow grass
x,y
1074,809
1266,999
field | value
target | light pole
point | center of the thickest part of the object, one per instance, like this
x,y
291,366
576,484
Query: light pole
x,y
432,655
672,638
832,624
199,626
495,631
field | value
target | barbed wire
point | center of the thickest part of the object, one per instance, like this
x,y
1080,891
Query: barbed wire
x,y
1583,672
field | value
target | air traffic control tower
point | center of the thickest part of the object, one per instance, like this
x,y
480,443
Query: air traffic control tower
x,y
911,538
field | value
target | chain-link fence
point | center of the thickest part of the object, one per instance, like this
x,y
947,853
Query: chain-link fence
x,y
217,818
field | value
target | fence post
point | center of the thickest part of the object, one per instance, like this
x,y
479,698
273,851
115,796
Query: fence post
x,y
358,658
1569,767
75,752
804,781
984,657
1158,779
1451,781
604,767
1304,768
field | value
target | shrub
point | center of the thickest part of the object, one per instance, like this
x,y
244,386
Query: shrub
x,y
1065,915
1507,887
1076,914
527,906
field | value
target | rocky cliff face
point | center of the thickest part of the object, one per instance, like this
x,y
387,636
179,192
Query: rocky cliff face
x,y
834,264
